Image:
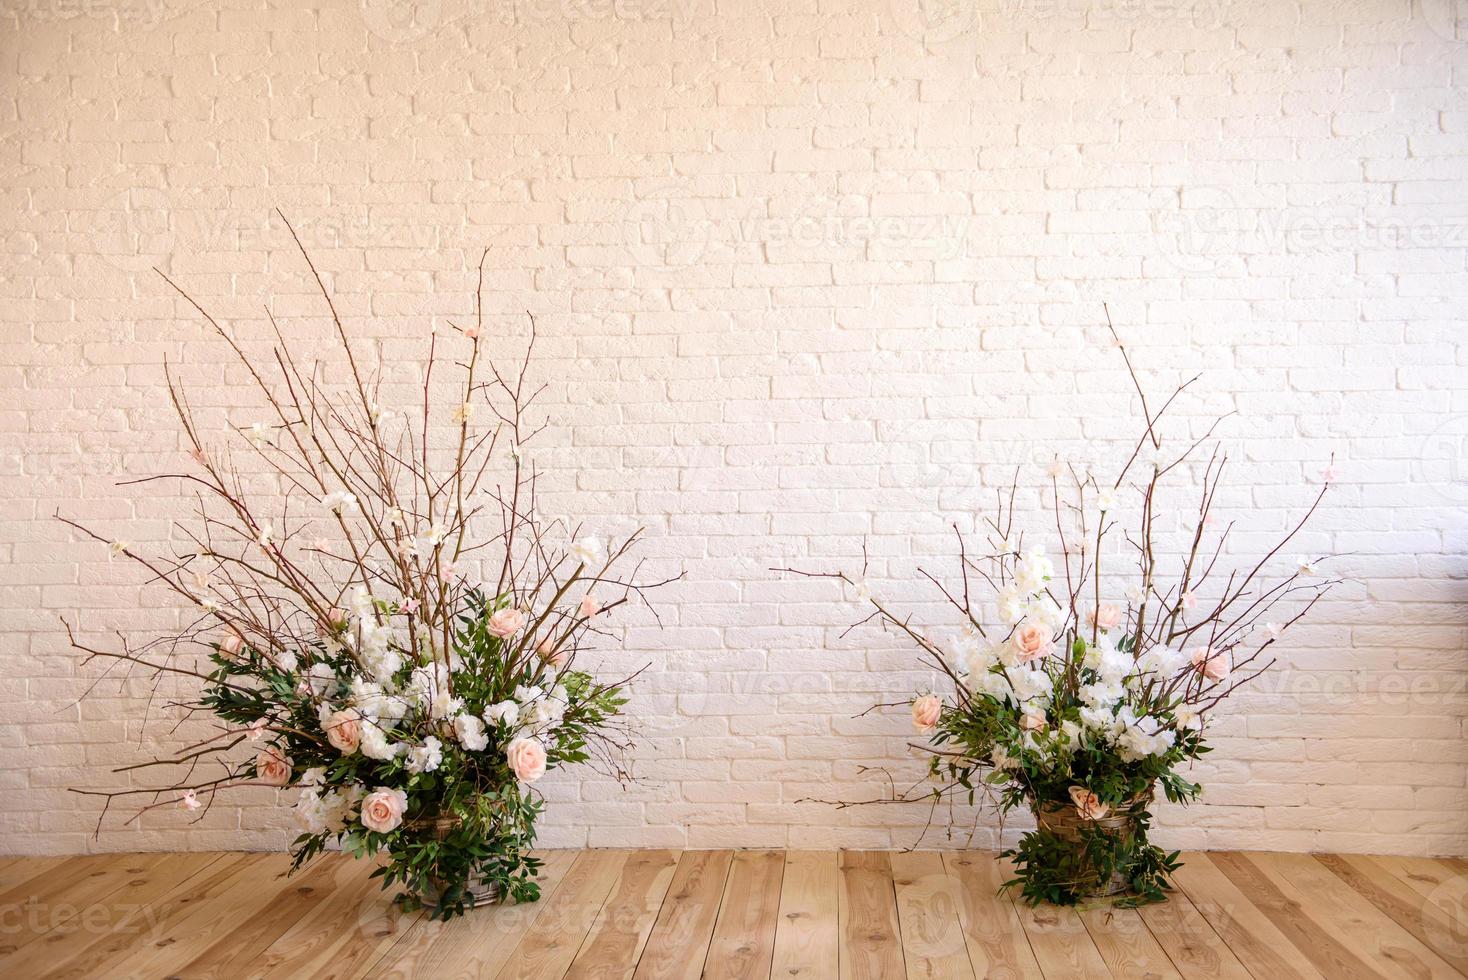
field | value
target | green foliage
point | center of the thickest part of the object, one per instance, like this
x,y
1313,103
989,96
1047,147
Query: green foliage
x,y
492,815
1051,868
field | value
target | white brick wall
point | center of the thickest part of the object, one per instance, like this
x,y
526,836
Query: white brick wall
x,y
809,273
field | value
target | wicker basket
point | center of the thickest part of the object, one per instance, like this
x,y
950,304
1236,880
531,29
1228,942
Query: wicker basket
x,y
1065,821
479,892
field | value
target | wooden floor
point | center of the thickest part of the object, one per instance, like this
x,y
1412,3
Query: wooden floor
x,y
665,914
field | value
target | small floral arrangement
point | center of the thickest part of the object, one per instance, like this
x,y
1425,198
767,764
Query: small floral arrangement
x,y
343,643
1079,706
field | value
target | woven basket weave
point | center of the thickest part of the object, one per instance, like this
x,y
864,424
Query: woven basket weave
x,y
1065,821
479,891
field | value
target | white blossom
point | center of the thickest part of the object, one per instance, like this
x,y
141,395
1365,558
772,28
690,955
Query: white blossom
x,y
339,501
507,712
587,551
470,732
426,757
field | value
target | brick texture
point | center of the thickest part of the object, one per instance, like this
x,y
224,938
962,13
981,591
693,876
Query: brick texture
x,y
809,274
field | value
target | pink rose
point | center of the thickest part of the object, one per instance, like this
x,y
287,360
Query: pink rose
x,y
926,711
1212,664
382,809
506,623
231,645
1032,722
549,653
527,758
344,730
273,767
1031,642
589,606
1105,617
1088,804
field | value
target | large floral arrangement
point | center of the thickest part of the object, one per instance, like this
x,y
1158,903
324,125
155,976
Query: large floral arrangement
x,y
388,626
1079,693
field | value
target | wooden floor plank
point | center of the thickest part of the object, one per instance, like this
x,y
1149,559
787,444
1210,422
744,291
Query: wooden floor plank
x,y
1246,929
743,942
37,878
1126,944
253,931
127,912
1190,942
678,945
165,926
547,949
1057,936
342,935
616,939
207,931
476,944
1426,876
659,915
928,900
91,917
808,934
1440,926
1298,917
997,945
27,869
1365,929
1061,944
65,900
871,943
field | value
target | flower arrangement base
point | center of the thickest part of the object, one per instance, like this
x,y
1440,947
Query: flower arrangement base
x,y
1072,858
1064,821
477,893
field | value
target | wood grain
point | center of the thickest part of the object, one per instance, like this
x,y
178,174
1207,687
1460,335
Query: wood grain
x,y
871,947
808,933
679,943
997,945
928,901
617,937
803,915
743,943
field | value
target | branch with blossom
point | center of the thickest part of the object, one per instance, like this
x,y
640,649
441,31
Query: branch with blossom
x,y
1061,696
340,631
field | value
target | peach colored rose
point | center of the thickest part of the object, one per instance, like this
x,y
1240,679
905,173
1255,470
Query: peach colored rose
x,y
926,711
549,653
1032,722
1031,642
231,645
589,606
1088,804
382,809
1105,617
506,623
527,759
273,766
1212,664
344,730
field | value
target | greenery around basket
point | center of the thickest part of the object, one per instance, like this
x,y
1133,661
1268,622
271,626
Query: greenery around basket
x,y
1050,868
